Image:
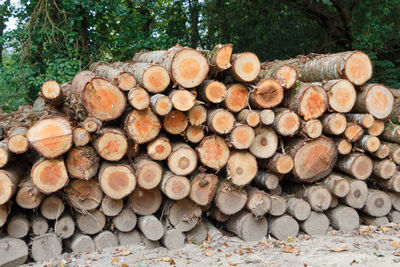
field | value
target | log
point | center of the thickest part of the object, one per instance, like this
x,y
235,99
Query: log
x,y
312,159
125,221
39,225
80,137
366,120
175,187
28,196
266,180
148,172
149,244
341,95
394,216
377,128
369,143
278,205
334,123
308,100
343,218
111,144
186,67
229,199
51,137
5,153
391,133
183,214
197,234
197,115
267,116
394,151
220,121
124,80
285,75
318,196
213,152
52,93
268,93
194,134
265,143
353,132
299,209
237,97
105,239
175,122
13,252
277,191
18,225
316,224
241,168
376,221
80,243
384,168
52,207
212,91
283,227
17,140
357,193
245,67
145,202
142,125
337,184
395,199
247,227
356,164
49,175
258,202
241,136
344,147
375,99
92,124
383,152
391,184
334,202
64,226
219,58
286,122
377,204
312,128
111,207
160,104
129,238
138,98
154,78
182,160
249,117
116,180
159,148
91,222
82,162
280,163
214,234
46,247
182,100
151,227
217,215
173,239
203,187
84,195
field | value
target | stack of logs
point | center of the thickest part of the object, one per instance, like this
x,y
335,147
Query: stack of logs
x,y
178,144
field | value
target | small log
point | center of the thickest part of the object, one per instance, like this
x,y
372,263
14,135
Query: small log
x,y
394,216
278,205
148,172
149,244
49,175
175,122
283,227
366,120
384,168
142,125
183,214
334,202
138,98
151,227
124,80
105,239
217,215
298,208
182,100
17,140
375,99
377,128
80,137
383,152
341,93
182,160
194,134
173,239
215,235
125,221
241,168
197,115
175,187
18,225
369,143
268,93
353,132
116,180
284,74
111,144
13,252
52,207
5,153
337,184
213,152
219,58
80,243
344,147
145,202
316,224
395,199
312,128
241,136
258,202
277,190
111,207
212,91
266,180
52,93
91,124
391,184
160,104
28,196
46,247
356,164
394,151
129,238
245,67
249,117
39,225
357,193
280,163
82,162
343,218
265,143
286,122
267,116
334,123
159,148
318,196
220,121
237,97
203,188
377,204
247,227
376,221
91,222
84,195
391,133
197,234
64,226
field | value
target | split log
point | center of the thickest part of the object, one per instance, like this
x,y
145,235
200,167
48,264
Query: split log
x,y
395,199
64,226
217,215
318,196
160,104
138,98
369,143
80,243
376,221
124,80
194,134
265,143
220,121
237,97
111,207
394,151
28,196
159,148
18,225
116,180
285,75
356,164
247,227
80,137
186,67
125,221
343,218
52,93
357,194
213,152
258,202
17,140
46,247
312,159
129,238
353,132
280,163
203,188
212,91
5,153
148,172
337,184
266,180
344,147
39,225
105,239
298,208
173,239
91,222
391,184
286,122
183,214
82,162
13,252
197,234
151,227
268,93
241,168
219,58
312,128
278,205
249,117
241,136
51,137
84,195
316,224
91,124
384,151
375,99
145,202
283,227
308,100
366,120
111,144
229,199
182,100
245,67
142,125
384,168
341,94
377,204
334,123
49,175
52,207
175,187
377,128
175,122
182,160
267,116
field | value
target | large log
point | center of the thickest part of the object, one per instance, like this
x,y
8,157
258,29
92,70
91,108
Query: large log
x,y
213,152
160,104
28,196
82,162
343,218
138,98
366,120
245,67
384,168
111,207
203,188
258,202
39,225
64,226
13,252
341,93
287,122
212,91
316,224
80,243
123,79
148,172
175,187
229,199
356,164
151,227
377,128
241,168
52,207
175,122
142,125
334,123
111,144
357,194
9,179
18,225
105,239
125,221
117,180
182,160
268,93
375,99
318,196
283,227
91,222
46,247
49,175
247,227
237,97
369,143
183,214
84,195
145,202
337,184
377,204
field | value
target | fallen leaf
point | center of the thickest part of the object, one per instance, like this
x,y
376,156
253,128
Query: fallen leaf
x,y
209,254
125,252
228,255
290,250
384,228
290,239
364,229
124,265
396,244
115,260
340,249
232,264
168,259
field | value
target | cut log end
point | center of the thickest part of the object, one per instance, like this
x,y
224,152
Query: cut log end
x,y
195,134
287,122
82,162
247,227
84,194
357,194
81,137
142,125
213,152
265,143
384,150
286,75
377,128
148,172
51,90
316,224
267,116
384,168
281,163
111,207
159,148
342,96
126,81
356,164
125,221
17,141
203,188
344,147
182,100
46,247
283,227
242,136
228,199
343,218
249,117
237,97
52,207
245,66
138,98
313,128
111,144
117,181
314,102
175,122
241,168
197,115
156,79
91,222
214,91
358,68
220,121
334,123
378,203
268,93
379,101
182,160
353,132
151,227
175,187
161,104
184,214
223,57
91,124
298,208
145,202
49,175
28,196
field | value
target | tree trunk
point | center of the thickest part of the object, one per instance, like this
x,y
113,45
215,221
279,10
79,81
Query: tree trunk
x,y
17,140
117,180
265,143
237,97
219,58
175,122
286,122
213,152
247,227
125,221
160,104
342,95
268,93
142,125
337,184
84,195
298,208
91,222
46,247
229,199
285,75
220,121
159,149
49,175
52,207
334,123
124,80
82,162
242,136
182,160
145,202
212,91
258,202
356,164
343,218
316,224
283,227
175,187
138,98
203,188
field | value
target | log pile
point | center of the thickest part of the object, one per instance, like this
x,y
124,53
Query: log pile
x,y
160,149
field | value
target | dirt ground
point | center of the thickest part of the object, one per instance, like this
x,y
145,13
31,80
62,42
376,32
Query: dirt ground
x,y
368,246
